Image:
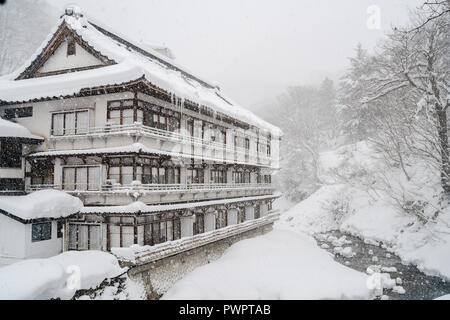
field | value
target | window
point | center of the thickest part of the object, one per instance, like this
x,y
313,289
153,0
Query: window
x,y
190,127
160,118
162,231
10,154
59,230
71,47
267,178
70,123
121,112
268,149
241,177
199,224
221,219
41,231
195,176
218,176
81,178
12,113
42,172
160,175
247,144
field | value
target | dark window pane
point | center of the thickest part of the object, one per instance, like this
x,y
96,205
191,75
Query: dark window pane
x,y
41,231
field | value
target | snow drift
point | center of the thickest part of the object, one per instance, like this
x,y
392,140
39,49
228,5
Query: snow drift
x,y
279,265
56,277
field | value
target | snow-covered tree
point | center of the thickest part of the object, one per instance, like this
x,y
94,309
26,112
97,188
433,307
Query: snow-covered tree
x,y
307,116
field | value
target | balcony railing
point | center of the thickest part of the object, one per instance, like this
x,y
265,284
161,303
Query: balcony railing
x,y
139,129
204,187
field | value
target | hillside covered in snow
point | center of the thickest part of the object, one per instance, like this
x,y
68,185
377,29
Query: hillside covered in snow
x,y
362,196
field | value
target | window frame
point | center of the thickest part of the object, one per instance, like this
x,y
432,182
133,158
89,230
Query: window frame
x,y
77,130
39,228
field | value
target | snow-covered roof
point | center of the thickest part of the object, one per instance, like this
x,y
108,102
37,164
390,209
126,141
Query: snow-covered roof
x,y
135,148
131,62
10,129
141,207
44,204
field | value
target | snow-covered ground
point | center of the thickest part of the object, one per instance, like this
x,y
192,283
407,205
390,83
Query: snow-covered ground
x,y
356,199
57,277
279,265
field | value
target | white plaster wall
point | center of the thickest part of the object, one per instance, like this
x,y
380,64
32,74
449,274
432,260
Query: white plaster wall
x,y
263,209
42,249
40,123
61,61
187,229
210,221
232,216
249,213
12,238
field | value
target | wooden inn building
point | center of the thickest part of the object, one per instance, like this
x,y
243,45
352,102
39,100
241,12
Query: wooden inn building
x,y
154,152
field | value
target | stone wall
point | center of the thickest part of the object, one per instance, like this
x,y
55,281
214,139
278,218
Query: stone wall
x,y
158,276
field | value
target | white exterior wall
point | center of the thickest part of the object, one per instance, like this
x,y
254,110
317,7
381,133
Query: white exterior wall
x,y
263,209
232,216
42,249
187,226
210,221
59,60
16,244
12,239
40,123
249,213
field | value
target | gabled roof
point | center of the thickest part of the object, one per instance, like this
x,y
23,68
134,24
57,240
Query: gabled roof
x,y
122,61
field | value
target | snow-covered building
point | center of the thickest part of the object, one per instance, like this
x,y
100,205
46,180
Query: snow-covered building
x,y
154,152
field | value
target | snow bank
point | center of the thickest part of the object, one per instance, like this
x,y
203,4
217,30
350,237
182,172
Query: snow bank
x,y
355,200
279,265
56,277
10,129
41,204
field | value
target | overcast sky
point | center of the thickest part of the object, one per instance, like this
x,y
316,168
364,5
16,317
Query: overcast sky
x,y
253,48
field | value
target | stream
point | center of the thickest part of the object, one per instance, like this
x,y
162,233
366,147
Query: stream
x,y
406,282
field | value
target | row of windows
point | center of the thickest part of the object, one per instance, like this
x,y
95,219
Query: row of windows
x,y
12,113
145,174
70,123
81,178
218,176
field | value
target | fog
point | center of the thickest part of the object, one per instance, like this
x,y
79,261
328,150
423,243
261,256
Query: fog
x,y
253,48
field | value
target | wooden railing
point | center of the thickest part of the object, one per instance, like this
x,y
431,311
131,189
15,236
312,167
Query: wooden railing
x,y
146,254
139,129
151,187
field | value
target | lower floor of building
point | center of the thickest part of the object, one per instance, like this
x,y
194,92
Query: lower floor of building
x,y
106,230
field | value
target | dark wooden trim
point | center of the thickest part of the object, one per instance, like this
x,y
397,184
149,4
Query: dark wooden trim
x,y
35,220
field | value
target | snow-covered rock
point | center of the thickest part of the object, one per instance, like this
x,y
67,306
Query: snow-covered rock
x,y
399,290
